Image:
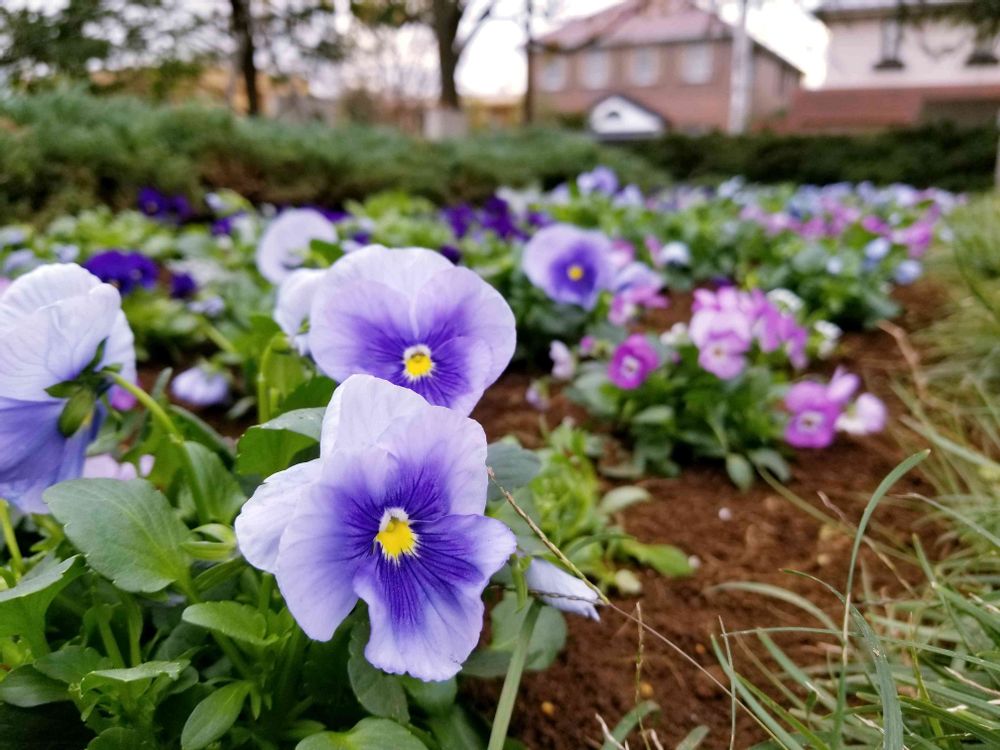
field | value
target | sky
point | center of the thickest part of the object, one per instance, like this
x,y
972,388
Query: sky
x,y
494,64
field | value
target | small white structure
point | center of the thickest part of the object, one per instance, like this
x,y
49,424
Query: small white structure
x,y
619,118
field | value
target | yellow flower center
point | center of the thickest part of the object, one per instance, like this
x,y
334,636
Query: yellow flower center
x,y
395,535
417,362
575,272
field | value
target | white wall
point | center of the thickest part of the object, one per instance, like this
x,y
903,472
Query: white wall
x,y
933,54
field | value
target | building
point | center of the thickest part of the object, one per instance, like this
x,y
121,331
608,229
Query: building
x,y
898,63
647,66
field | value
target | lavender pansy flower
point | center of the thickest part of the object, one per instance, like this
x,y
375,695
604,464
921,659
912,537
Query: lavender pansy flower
x,y
410,317
907,272
632,362
865,416
54,321
104,466
559,589
723,353
285,243
294,302
601,179
563,361
813,415
201,386
126,270
570,265
391,513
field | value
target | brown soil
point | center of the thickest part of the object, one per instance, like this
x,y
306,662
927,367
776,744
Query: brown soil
x,y
736,536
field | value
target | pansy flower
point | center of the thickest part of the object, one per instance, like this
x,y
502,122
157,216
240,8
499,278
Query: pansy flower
x,y
813,415
285,242
632,362
391,513
126,270
201,386
569,264
867,415
410,317
294,302
58,324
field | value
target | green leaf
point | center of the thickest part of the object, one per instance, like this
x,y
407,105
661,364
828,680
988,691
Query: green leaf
x,y
629,722
432,697
663,558
367,734
127,531
455,730
740,470
620,498
547,639
120,738
223,492
381,694
655,415
238,621
513,466
27,687
71,664
214,716
22,608
274,446
772,461
148,671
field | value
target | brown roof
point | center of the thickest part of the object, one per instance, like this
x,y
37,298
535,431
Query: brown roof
x,y
637,22
873,108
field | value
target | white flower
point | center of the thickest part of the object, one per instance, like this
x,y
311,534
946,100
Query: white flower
x,y
829,336
676,336
786,300
675,254
865,416
295,298
200,386
561,590
563,361
285,243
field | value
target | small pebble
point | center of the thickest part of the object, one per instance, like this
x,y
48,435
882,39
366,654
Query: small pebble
x,y
645,690
548,708
699,649
725,514
694,561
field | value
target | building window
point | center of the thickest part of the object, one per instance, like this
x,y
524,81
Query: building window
x,y
645,62
596,69
891,40
983,50
696,63
554,70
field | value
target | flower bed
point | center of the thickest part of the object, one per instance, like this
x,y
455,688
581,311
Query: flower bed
x,y
321,579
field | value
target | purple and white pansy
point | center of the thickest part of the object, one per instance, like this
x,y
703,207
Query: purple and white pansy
x,y
285,243
57,324
571,265
391,513
412,318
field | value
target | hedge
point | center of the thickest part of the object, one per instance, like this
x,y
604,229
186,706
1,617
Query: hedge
x,y
64,150
936,155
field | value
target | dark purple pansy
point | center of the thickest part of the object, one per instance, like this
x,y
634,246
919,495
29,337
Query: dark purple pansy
x,y
125,270
460,218
182,285
452,253
157,205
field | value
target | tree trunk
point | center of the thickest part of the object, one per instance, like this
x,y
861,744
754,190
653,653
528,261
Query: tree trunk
x,y
529,51
447,15
242,28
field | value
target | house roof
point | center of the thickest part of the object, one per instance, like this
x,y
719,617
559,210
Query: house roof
x,y
639,22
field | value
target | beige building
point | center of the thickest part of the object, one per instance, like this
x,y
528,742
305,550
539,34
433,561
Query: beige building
x,y
894,63
647,66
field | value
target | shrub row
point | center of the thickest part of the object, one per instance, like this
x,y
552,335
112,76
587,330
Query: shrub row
x,y
64,150
944,156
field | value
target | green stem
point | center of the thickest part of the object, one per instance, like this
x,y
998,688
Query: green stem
x,y
263,395
37,642
219,338
16,561
177,437
511,683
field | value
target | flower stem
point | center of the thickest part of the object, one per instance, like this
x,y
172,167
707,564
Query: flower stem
x,y
511,683
223,641
263,392
177,437
16,561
